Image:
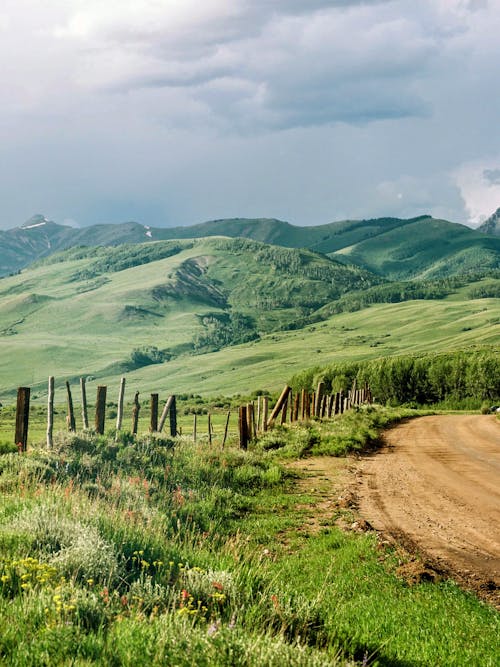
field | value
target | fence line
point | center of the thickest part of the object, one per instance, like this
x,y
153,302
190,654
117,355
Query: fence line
x,y
289,408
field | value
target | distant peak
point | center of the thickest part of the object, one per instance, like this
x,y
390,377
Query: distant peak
x,y
37,220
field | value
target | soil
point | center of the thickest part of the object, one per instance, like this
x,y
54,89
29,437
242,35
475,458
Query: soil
x,y
434,487
432,491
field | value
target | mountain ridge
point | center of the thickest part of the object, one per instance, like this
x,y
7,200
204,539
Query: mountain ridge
x,y
395,248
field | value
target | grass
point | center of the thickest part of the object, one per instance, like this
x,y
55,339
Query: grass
x,y
150,551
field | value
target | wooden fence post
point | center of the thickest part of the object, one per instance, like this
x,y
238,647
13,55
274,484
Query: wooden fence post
x,y
284,412
100,409
226,429
265,412
259,413
173,417
319,399
251,422
153,423
50,413
194,427
121,396
85,414
279,405
71,413
165,412
22,418
243,427
209,424
296,405
135,413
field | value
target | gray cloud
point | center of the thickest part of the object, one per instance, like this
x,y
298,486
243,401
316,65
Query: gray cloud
x,y
306,110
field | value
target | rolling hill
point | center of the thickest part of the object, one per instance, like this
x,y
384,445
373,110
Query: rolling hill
x,y
116,309
220,314
420,247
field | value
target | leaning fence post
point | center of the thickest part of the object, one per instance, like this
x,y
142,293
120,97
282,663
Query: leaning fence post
x,y
71,412
279,405
100,409
226,429
121,395
22,418
50,413
165,412
85,415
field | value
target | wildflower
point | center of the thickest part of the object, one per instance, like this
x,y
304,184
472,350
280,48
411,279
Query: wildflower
x,y
212,629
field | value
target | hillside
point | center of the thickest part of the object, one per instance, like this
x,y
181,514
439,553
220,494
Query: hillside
x,y
112,310
398,249
211,315
424,248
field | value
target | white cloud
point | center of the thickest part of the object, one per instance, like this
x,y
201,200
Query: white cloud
x,y
479,185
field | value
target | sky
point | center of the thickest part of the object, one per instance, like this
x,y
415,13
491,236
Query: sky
x,y
173,112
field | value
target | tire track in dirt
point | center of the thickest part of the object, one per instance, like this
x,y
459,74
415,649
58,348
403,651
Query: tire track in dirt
x,y
437,483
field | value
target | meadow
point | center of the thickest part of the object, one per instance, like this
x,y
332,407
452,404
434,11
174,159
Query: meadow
x,y
149,550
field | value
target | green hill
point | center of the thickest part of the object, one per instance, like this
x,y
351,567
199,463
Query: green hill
x,y
398,249
116,309
220,314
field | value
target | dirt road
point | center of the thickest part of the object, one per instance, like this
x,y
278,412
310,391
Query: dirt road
x,y
437,485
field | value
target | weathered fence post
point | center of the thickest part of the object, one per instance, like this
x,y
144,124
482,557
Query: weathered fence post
x,y
194,427
296,404
284,412
85,415
265,412
135,413
50,413
252,434
173,417
279,405
153,423
259,412
226,429
166,409
100,409
22,418
71,413
121,396
319,399
243,427
209,424
303,401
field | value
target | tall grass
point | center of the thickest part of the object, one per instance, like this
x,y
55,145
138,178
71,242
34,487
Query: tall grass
x,y
153,551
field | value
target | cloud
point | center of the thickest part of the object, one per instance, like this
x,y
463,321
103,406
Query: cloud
x,y
479,183
259,65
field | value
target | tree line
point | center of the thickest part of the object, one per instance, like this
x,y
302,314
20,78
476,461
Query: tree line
x,y
454,377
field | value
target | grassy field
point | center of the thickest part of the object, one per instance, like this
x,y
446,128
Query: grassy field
x,y
150,552
381,330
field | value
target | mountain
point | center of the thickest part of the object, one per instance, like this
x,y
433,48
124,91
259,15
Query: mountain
x,y
419,247
126,307
491,225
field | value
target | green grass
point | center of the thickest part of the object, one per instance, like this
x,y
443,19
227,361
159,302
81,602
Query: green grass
x,y
154,552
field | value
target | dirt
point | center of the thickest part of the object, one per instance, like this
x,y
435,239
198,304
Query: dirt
x,y
434,488
432,492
